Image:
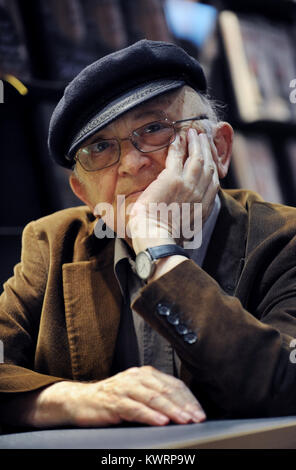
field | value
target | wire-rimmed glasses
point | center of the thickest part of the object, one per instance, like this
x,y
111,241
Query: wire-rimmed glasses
x,y
153,136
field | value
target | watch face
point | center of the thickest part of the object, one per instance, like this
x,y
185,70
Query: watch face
x,y
143,265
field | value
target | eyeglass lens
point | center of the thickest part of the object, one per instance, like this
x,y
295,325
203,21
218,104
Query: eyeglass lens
x,y
103,153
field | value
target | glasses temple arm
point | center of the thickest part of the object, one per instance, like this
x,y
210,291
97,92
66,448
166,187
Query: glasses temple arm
x,y
196,118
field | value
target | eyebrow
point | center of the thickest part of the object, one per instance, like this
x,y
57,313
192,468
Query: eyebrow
x,y
96,137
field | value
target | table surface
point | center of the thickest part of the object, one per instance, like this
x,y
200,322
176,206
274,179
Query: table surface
x,y
263,433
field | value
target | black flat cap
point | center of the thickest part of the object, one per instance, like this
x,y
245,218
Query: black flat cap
x,y
113,85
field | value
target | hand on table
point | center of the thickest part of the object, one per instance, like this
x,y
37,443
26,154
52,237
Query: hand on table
x,y
144,395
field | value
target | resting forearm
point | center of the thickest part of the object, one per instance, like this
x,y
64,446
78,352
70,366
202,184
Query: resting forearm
x,y
141,394
232,345
41,408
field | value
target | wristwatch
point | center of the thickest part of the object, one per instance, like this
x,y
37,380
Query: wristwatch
x,y
146,260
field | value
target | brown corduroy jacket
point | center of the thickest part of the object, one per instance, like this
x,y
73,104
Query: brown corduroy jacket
x,y
60,312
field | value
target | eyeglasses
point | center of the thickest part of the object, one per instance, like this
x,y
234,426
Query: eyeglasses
x,y
151,137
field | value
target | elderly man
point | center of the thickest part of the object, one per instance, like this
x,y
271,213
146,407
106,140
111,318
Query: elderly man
x,y
99,330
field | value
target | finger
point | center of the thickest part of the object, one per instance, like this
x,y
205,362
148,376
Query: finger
x,y
177,154
209,165
158,401
132,410
209,170
209,197
193,166
211,180
200,167
175,390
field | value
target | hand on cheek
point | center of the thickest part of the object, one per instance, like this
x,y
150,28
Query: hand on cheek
x,y
190,176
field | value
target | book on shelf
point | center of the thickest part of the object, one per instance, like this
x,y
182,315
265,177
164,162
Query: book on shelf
x,y
254,167
105,23
55,179
62,38
68,35
262,63
14,56
146,19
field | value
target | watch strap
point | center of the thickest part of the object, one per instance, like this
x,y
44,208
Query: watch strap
x,y
162,251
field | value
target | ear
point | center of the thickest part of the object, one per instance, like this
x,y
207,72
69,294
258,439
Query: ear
x,y
223,139
79,190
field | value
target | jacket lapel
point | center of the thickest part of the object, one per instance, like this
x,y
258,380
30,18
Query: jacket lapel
x,y
226,251
225,256
92,308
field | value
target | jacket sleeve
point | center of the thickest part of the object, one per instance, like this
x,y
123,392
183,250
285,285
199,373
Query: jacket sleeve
x,y
241,360
20,309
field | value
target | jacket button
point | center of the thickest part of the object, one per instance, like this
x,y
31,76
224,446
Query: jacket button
x,y
173,319
190,338
163,310
182,329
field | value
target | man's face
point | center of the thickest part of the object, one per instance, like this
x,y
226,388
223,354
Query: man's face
x,y
135,170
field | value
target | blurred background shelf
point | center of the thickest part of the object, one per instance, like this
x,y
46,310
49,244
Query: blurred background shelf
x,y
248,52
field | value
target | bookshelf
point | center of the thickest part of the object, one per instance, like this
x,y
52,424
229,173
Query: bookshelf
x,y
249,59
253,71
44,44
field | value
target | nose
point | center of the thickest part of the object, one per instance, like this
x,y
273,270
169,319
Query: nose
x,y
131,159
